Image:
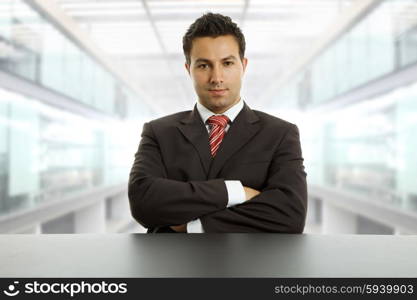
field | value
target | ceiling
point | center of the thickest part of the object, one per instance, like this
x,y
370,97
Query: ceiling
x,y
144,38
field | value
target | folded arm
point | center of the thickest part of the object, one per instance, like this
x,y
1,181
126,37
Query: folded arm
x,y
157,201
282,204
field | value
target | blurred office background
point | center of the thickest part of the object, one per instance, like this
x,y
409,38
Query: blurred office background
x,y
79,77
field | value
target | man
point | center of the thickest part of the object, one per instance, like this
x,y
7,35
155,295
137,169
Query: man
x,y
221,167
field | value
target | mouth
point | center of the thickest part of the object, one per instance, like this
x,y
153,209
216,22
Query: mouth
x,y
217,92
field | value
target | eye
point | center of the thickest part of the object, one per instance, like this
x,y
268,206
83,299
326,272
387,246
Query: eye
x,y
228,63
202,66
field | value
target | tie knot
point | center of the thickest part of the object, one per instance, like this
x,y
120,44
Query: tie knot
x,y
221,120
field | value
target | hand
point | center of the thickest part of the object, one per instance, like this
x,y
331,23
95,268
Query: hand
x,y
180,228
250,192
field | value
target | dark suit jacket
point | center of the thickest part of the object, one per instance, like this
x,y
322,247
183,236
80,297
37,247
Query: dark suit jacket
x,y
174,180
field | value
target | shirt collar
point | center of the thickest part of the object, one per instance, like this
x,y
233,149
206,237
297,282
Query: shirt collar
x,y
231,113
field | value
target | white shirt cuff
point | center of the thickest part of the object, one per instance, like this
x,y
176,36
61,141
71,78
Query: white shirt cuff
x,y
195,226
235,192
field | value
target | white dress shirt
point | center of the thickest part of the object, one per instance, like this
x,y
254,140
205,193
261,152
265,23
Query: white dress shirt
x,y
236,193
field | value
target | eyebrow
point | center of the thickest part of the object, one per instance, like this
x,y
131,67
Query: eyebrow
x,y
199,60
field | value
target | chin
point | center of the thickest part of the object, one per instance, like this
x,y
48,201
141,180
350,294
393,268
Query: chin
x,y
219,103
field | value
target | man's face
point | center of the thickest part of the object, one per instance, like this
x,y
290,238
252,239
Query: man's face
x,y
217,71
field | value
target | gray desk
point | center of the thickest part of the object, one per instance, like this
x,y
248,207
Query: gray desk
x,y
207,255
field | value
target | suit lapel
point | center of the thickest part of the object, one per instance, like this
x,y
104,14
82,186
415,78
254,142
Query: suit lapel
x,y
242,129
193,128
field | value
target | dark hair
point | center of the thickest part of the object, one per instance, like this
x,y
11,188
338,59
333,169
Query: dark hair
x,y
212,25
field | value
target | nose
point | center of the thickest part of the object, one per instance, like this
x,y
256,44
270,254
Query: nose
x,y
216,76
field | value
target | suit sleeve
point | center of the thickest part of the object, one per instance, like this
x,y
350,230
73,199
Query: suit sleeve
x,y
282,204
157,201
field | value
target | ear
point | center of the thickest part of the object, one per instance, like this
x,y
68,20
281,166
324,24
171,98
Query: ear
x,y
244,63
187,66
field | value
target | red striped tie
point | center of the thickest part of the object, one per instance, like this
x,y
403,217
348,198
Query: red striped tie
x,y
217,131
